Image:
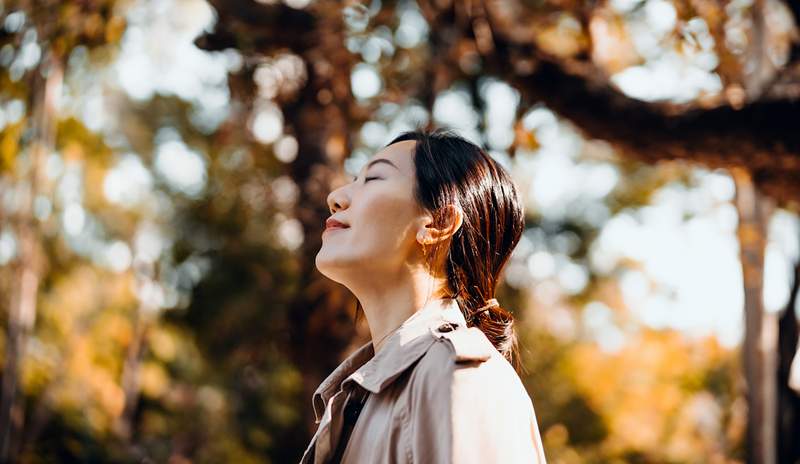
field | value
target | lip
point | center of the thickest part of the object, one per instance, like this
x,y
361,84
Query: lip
x,y
332,223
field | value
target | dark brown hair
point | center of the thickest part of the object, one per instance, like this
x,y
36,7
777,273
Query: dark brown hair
x,y
452,170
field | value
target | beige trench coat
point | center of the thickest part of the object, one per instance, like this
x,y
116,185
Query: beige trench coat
x,y
437,392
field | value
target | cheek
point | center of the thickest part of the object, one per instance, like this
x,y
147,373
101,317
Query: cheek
x,y
386,218
386,212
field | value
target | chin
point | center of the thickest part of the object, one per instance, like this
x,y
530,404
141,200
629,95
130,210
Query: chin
x,y
340,269
319,262
326,266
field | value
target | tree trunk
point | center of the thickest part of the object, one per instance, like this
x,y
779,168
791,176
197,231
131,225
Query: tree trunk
x,y
28,267
760,341
788,399
321,317
130,372
321,117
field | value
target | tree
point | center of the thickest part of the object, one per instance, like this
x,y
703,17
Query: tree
x,y
183,319
40,38
567,55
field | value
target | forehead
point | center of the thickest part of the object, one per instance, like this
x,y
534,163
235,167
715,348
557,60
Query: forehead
x,y
400,154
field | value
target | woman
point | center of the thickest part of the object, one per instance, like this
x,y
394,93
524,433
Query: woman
x,y
420,238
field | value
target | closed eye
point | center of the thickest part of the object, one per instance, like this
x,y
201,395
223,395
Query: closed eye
x,y
366,179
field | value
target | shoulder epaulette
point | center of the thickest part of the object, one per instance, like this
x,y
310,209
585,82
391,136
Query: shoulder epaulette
x,y
469,343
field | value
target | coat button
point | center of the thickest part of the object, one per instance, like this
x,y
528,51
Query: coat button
x,y
447,327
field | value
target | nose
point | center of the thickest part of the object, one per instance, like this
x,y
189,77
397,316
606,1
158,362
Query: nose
x,y
338,199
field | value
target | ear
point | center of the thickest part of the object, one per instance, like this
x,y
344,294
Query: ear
x,y
430,234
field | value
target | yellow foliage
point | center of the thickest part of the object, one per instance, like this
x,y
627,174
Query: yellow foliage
x,y
76,294
88,389
110,395
71,296
115,28
73,151
556,443
162,343
648,392
9,147
76,141
154,379
39,366
115,329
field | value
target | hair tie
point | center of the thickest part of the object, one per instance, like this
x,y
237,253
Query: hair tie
x,y
489,304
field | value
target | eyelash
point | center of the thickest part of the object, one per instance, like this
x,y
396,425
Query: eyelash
x,y
366,179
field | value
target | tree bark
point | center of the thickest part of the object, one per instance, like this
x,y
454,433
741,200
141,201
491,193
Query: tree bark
x,y
760,341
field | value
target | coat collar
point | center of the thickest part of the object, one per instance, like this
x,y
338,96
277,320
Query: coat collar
x,y
401,349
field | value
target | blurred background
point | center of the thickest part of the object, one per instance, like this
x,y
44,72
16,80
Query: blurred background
x,y
164,166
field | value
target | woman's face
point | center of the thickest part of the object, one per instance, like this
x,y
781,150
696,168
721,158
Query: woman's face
x,y
382,216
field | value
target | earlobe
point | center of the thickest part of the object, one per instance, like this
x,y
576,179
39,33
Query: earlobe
x,y
423,235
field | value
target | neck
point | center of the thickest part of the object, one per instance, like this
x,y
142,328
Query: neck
x,y
387,307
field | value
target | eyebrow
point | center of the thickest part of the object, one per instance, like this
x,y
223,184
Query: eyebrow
x,y
382,160
376,161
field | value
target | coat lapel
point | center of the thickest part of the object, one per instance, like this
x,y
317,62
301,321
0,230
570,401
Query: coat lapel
x,y
375,372
401,349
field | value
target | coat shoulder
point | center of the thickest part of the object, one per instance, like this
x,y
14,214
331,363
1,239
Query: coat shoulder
x,y
467,404
468,344
463,358
463,364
